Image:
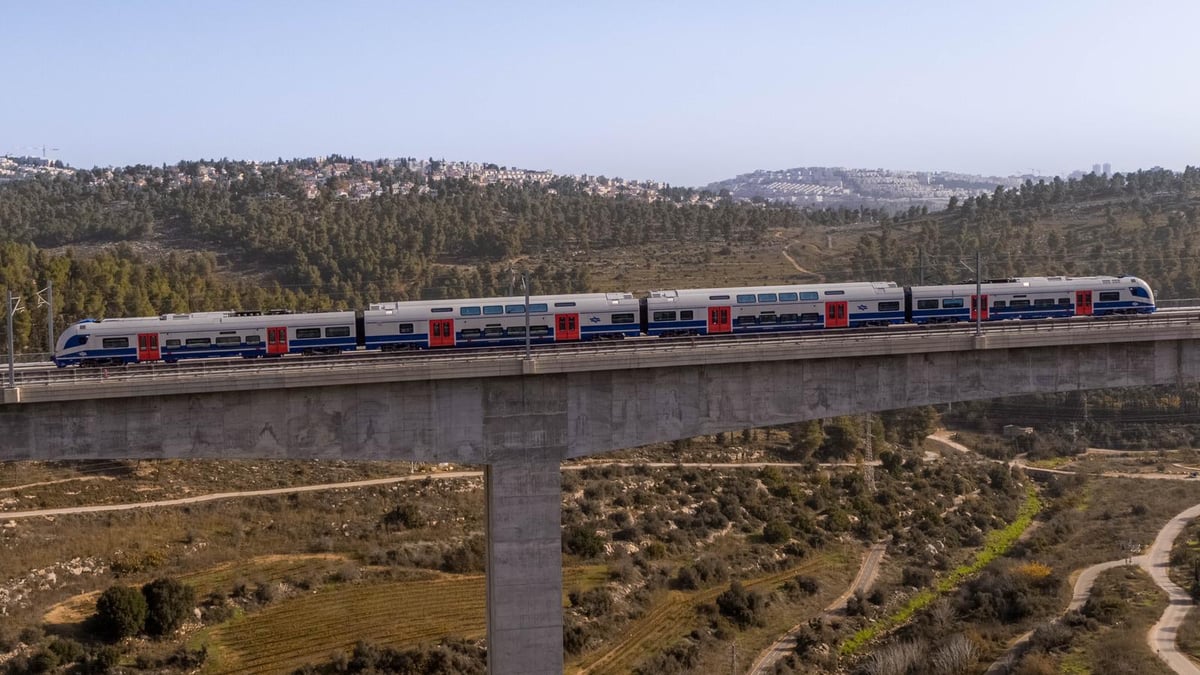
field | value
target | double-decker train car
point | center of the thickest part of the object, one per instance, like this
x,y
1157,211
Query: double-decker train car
x,y
768,309
173,337
1031,298
491,322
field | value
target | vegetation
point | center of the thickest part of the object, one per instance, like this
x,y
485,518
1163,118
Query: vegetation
x,y
120,612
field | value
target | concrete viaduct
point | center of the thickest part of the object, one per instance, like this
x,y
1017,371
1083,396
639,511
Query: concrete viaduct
x,y
521,418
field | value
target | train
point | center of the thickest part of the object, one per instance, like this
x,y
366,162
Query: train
x,y
582,317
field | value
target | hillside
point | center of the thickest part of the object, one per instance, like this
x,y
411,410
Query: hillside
x,y
231,235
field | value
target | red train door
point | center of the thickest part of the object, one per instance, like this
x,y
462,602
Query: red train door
x,y
976,304
277,340
566,327
835,315
441,333
1083,303
718,320
148,347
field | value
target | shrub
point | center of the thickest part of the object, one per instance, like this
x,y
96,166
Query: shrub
x,y
169,602
776,532
583,542
741,606
120,612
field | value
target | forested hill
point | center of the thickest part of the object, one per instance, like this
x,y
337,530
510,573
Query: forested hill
x,y
1146,224
239,235
232,235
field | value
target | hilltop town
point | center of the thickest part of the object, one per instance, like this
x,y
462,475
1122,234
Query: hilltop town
x,y
357,179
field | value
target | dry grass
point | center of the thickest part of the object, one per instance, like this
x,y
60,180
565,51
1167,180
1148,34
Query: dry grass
x,y
309,628
675,614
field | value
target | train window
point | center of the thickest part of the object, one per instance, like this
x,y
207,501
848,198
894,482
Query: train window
x,y
115,343
1043,302
767,297
1109,296
252,339
889,306
664,316
1018,304
516,331
686,315
1066,302
469,311
405,328
789,297
810,317
471,333
229,341
999,304
564,304
337,331
952,303
746,299
304,333
1139,292
539,307
441,310
746,320
493,331
623,318
539,330
927,304
809,295
788,318
173,343
718,297
766,318
514,309
836,292
492,310
198,342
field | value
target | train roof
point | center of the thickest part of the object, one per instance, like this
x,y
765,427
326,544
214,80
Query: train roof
x,y
1034,283
598,298
863,286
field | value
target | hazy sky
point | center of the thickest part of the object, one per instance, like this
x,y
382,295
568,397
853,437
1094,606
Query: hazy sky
x,y
687,92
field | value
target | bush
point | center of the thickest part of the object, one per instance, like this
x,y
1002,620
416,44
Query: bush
x,y
776,532
583,542
741,606
169,602
120,612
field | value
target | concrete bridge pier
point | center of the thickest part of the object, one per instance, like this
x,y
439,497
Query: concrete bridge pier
x,y
524,565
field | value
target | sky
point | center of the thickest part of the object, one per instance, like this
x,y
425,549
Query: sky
x,y
684,92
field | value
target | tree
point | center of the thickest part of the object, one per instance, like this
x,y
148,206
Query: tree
x,y
168,603
120,612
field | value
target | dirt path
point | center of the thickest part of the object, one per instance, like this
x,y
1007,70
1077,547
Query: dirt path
x,y
13,515
26,486
785,645
800,269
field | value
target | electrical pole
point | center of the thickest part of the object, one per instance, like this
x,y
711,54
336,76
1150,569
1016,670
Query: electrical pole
x,y
10,310
525,283
978,294
50,317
